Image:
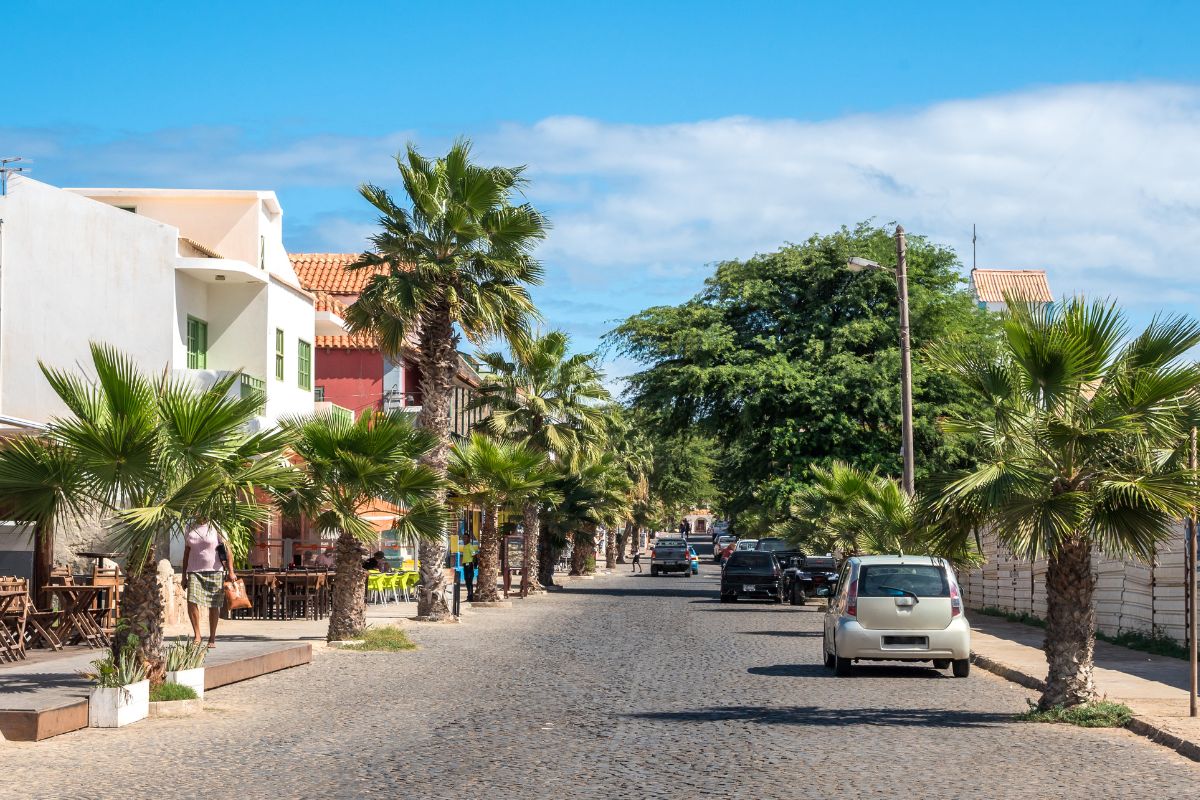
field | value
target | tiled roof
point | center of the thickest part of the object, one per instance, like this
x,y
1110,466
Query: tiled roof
x,y
196,250
347,342
326,272
327,302
1027,284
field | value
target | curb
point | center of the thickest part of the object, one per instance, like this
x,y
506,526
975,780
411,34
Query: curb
x,y
1138,725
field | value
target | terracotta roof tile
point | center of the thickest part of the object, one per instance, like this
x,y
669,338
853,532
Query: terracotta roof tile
x,y
1028,284
347,341
327,302
326,272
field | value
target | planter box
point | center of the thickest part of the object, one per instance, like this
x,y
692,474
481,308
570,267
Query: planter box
x,y
189,677
176,708
113,708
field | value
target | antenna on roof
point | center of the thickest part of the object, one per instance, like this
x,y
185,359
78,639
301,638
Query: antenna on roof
x,y
6,170
973,237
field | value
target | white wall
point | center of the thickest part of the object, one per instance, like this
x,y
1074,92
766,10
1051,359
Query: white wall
x,y
291,311
74,270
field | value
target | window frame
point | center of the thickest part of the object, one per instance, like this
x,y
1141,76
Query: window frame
x,y
304,365
280,371
197,357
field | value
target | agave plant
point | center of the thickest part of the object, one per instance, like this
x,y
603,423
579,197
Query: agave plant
x,y
184,654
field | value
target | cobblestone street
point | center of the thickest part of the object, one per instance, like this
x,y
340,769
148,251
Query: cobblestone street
x,y
621,687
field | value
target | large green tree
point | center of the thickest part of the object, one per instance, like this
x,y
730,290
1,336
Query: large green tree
x,y
788,359
1080,442
455,258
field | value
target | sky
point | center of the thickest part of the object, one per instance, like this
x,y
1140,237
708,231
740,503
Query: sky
x,y
659,137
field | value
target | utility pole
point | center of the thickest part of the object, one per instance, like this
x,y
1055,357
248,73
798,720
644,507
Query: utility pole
x,y
1190,571
905,363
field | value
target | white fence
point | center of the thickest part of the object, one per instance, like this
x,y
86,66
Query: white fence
x,y
1130,595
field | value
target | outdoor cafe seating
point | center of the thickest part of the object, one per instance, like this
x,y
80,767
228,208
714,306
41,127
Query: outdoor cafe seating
x,y
286,594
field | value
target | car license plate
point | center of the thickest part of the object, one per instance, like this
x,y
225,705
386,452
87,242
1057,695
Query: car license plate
x,y
749,587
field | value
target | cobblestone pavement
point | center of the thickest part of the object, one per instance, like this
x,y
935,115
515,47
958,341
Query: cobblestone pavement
x,y
622,687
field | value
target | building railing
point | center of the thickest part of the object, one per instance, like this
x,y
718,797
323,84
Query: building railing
x,y
250,386
334,410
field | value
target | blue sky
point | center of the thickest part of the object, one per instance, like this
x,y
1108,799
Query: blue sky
x,y
660,137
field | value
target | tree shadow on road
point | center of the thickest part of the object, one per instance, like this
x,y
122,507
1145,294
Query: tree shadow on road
x,y
832,717
783,633
663,591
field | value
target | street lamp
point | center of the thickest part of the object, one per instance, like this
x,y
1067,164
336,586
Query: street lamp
x,y
856,264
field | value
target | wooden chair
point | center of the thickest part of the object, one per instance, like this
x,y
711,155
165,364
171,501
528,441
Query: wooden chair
x,y
30,626
61,576
108,606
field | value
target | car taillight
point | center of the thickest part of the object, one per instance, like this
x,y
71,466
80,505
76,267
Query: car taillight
x,y
955,600
652,552
852,599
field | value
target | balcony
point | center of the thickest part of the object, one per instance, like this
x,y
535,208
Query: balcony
x,y
334,410
246,386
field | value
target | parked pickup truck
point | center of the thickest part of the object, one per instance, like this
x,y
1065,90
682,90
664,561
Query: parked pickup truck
x,y
809,576
670,555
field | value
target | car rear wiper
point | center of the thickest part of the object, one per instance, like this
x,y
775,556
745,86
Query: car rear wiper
x,y
904,592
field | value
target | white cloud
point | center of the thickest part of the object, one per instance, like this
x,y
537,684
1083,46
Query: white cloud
x,y
1099,184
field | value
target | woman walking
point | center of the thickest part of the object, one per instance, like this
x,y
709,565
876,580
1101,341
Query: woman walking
x,y
204,555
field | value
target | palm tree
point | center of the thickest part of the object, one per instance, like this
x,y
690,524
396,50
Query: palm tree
x,y
497,475
854,511
634,451
147,456
346,465
1076,455
549,401
458,258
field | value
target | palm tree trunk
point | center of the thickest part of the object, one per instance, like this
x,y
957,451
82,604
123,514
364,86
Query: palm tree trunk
x,y
439,364
610,548
1070,625
348,617
529,555
489,558
578,553
622,540
142,616
547,559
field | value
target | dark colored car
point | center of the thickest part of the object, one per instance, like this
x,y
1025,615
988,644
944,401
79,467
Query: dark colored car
x,y
809,576
782,549
749,573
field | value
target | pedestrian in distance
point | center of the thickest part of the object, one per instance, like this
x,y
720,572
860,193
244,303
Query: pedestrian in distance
x,y
469,555
637,559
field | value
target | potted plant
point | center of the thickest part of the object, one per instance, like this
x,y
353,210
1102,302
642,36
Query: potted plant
x,y
185,664
122,692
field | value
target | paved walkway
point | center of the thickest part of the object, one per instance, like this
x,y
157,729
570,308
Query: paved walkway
x,y
1155,687
621,686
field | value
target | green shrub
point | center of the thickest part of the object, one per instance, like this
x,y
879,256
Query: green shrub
x,y
1023,617
171,691
386,639
113,673
1098,714
1154,642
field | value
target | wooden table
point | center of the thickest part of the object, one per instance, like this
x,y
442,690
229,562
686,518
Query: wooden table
x,y
12,643
75,602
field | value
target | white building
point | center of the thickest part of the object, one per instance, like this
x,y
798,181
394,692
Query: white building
x,y
196,282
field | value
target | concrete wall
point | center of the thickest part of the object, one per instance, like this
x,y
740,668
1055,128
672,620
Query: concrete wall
x,y
74,270
291,311
352,378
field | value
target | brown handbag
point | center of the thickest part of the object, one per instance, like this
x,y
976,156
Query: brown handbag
x,y
235,594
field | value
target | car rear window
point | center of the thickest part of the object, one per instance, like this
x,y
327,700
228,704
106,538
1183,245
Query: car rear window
x,y
751,562
773,545
896,580
813,562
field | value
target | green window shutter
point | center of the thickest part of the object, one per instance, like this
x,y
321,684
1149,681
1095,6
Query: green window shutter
x,y
304,364
197,343
278,354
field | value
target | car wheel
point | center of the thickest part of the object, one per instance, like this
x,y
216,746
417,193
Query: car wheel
x,y
941,663
798,597
687,573
962,667
841,666
654,572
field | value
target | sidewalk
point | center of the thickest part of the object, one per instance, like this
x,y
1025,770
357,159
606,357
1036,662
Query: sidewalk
x,y
1155,687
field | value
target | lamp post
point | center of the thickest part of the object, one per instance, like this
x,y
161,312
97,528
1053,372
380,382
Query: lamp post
x,y
859,265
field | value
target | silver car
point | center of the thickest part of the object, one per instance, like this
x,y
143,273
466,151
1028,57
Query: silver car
x,y
897,608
